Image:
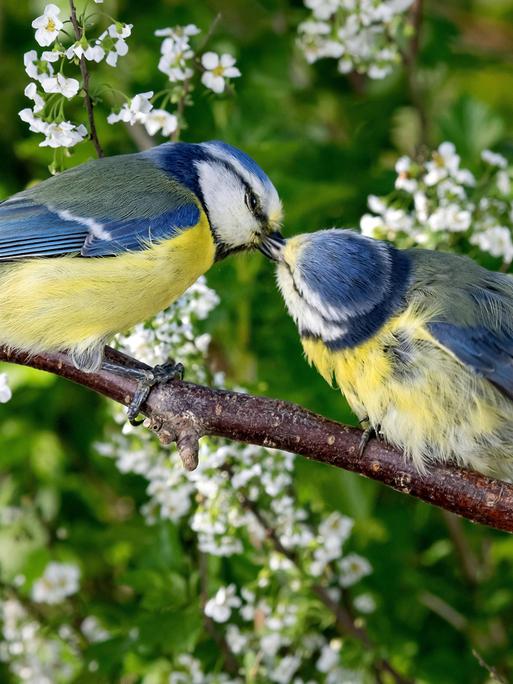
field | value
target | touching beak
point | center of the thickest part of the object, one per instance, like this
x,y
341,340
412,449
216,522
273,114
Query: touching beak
x,y
272,246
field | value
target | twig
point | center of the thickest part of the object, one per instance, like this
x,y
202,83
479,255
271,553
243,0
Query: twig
x,y
469,562
410,56
229,660
489,668
343,619
93,135
180,108
182,406
444,610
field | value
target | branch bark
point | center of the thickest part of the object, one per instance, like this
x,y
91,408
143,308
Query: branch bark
x,y
177,410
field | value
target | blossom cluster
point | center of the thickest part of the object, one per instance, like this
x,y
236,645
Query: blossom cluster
x,y
33,656
33,653
58,581
437,203
51,89
363,35
179,62
217,502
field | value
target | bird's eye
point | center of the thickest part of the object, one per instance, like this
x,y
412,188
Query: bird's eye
x,y
251,201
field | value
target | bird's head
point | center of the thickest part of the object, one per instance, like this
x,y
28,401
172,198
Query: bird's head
x,y
338,284
239,199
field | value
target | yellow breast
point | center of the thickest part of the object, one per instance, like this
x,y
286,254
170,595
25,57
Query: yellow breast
x,y
420,396
66,302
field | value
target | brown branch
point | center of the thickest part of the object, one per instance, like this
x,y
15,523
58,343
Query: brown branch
x,y
177,409
93,135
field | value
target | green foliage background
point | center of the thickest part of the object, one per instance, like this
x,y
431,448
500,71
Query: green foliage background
x,y
327,142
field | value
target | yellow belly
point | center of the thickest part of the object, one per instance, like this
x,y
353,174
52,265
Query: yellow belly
x,y
68,303
430,405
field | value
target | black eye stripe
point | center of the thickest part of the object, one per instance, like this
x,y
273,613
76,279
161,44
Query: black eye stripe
x,y
257,211
251,201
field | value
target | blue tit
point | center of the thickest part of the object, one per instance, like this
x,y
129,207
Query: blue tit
x,y
420,342
92,251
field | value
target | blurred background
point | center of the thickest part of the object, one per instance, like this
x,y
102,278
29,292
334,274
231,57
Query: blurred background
x,y
443,587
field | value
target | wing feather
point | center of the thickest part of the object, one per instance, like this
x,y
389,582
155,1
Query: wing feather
x,y
472,312
101,208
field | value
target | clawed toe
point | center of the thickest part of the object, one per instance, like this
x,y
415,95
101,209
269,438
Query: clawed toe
x,y
369,433
147,379
159,375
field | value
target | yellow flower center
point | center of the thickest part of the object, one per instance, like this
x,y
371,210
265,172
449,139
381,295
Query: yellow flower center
x,y
50,25
218,71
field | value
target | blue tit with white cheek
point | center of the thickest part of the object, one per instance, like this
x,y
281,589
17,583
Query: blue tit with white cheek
x,y
420,342
92,251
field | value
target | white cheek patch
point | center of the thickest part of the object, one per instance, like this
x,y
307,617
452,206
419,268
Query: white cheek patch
x,y
267,193
305,316
224,197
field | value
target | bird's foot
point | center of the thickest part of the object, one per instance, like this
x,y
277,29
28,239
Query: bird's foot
x,y
147,379
369,433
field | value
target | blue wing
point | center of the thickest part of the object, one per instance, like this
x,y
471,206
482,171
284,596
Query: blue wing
x,y
97,209
487,352
474,312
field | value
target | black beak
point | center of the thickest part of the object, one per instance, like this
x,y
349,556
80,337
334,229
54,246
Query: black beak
x,y
272,246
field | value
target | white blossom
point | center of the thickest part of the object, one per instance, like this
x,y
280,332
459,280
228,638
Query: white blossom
x,y
440,202
178,31
31,92
364,603
58,581
497,241
51,55
451,218
134,111
329,657
63,134
217,69
494,159
445,162
370,226
31,655
5,390
93,53
352,569
160,120
36,68
362,35
219,608
113,42
48,25
322,9
285,670
36,124
93,630
504,182
60,84
235,639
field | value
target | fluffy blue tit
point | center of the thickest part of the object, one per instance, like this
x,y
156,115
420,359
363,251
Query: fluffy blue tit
x,y
420,342
92,251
